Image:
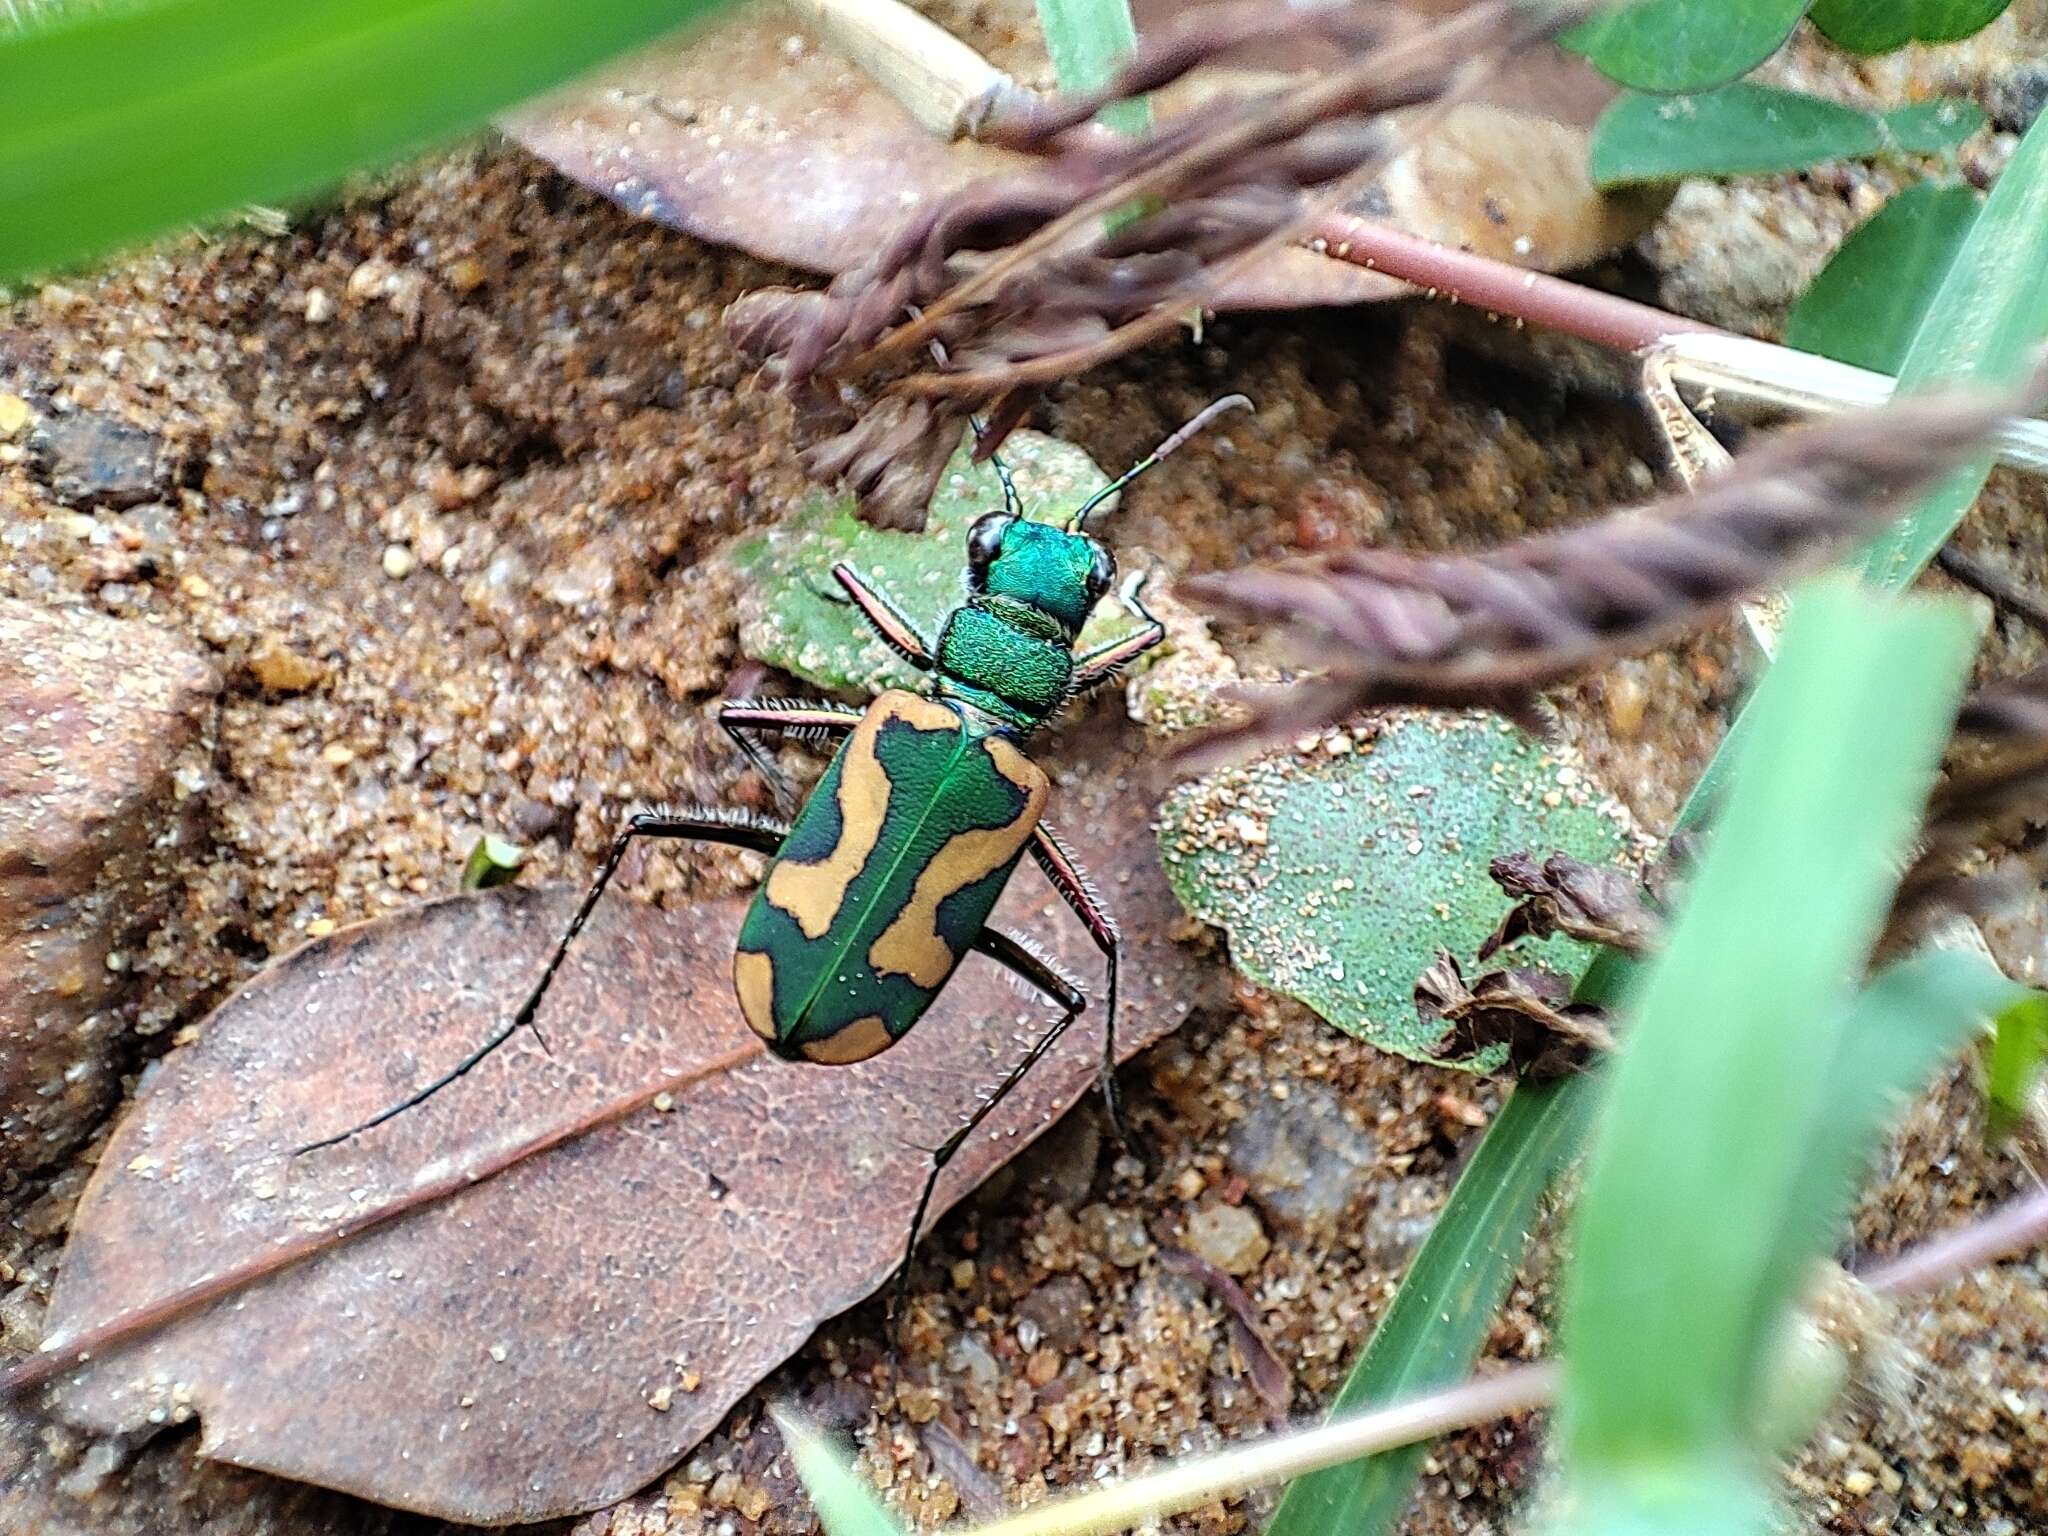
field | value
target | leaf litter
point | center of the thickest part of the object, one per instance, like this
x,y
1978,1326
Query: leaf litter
x,y
535,1292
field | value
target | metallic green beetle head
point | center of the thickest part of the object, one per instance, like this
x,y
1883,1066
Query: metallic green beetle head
x,y
1060,573
1008,650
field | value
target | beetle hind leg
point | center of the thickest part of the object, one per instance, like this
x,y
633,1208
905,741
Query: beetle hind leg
x,y
710,824
1021,962
800,719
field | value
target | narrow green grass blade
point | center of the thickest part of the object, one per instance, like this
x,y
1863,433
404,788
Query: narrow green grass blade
x,y
1726,1500
846,1505
1980,354
1088,40
1440,1316
1914,1016
118,125
1986,320
1866,303
1696,1171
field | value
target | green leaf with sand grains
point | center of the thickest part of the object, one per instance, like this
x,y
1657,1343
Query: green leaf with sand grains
x,y
1754,130
793,615
1339,875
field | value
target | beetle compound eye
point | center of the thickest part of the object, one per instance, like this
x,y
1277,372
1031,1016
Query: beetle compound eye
x,y
1102,574
985,540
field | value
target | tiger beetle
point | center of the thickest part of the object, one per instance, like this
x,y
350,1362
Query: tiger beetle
x,y
886,876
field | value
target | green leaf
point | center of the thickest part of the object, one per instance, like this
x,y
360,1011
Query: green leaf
x,y
492,862
1879,26
1982,327
846,1504
1088,41
2013,1065
1916,1015
1866,303
1685,45
1690,1499
1339,877
117,124
793,616
1753,130
1444,1309
1701,1181
1981,351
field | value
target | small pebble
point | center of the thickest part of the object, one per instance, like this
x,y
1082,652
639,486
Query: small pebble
x,y
280,668
1230,1237
399,561
14,415
319,306
660,1398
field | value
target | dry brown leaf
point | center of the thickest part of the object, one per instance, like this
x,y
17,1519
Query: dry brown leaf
x,y
552,1338
1526,1008
753,134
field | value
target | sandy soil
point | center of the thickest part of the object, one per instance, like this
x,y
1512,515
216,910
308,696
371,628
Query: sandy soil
x,y
451,467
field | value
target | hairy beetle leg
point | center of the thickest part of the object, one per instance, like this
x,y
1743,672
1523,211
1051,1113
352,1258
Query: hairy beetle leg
x,y
1078,893
805,719
885,618
735,829
1014,957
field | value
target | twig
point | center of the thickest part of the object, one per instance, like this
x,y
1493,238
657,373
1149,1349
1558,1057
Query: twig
x,y
2012,1228
1196,1482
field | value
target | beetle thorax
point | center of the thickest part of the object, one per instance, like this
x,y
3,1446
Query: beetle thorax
x,y
1007,658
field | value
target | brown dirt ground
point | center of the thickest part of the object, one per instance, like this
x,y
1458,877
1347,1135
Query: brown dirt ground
x,y
528,393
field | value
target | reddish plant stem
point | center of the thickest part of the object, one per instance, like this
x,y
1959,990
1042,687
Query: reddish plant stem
x,y
1535,298
2013,1227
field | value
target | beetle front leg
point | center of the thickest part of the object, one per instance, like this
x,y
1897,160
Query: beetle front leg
x,y
1092,668
804,719
885,618
1074,889
1018,960
736,829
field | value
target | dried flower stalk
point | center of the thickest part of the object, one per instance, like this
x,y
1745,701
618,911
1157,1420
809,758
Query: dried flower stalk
x,y
1527,1008
1011,284
1593,903
2000,801
1493,630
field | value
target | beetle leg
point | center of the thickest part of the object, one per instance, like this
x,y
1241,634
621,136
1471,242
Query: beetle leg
x,y
737,829
805,719
1014,957
1106,660
1075,890
885,618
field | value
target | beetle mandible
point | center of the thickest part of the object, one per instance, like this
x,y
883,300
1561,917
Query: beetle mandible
x,y
886,876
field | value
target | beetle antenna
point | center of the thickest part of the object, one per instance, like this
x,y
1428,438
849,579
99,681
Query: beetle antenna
x,y
1201,419
1012,502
